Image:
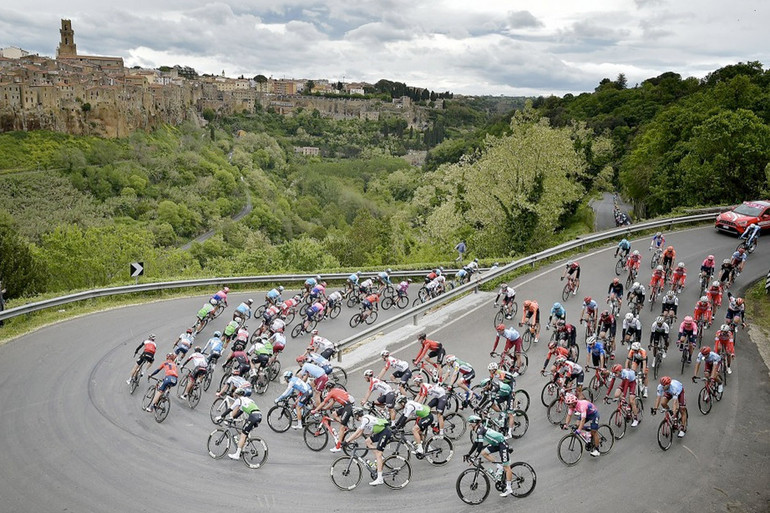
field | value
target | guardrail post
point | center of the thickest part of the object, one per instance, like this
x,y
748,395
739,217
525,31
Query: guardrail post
x,y
767,283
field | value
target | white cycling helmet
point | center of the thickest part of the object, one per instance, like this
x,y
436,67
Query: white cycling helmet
x,y
384,353
492,366
659,268
636,252
724,327
629,316
636,346
715,283
680,264
704,298
636,285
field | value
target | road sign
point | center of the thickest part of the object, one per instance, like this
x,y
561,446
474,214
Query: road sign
x,y
137,269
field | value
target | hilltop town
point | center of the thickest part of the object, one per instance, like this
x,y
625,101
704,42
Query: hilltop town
x,y
98,95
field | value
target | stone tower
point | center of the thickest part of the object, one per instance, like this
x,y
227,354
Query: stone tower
x,y
67,47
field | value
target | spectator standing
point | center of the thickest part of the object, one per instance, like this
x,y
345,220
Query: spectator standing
x,y
460,248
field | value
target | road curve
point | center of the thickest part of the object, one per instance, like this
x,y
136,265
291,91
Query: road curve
x,y
74,440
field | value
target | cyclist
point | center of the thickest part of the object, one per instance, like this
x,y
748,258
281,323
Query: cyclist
x,y
531,313
220,297
553,350
607,326
351,284
430,349
588,314
658,240
422,415
669,304
632,328
735,309
342,414
473,267
242,405
403,287
273,296
323,346
487,440
261,352
377,432
170,376
634,261
462,275
512,341
310,369
726,271
739,260
571,371
501,396
724,337
289,304
243,312
318,292
310,283
436,397
679,276
714,294
383,277
230,331
199,367
637,361
382,390
205,313
333,299
568,333
270,314
710,368
659,331
669,254
234,382
183,343
587,413
703,310
636,294
596,353
370,302
688,330
314,311
751,234
623,248
669,389
400,368
303,390
462,371
366,287
558,312
627,386
658,279
707,267
615,291
148,347
509,296
572,270
213,348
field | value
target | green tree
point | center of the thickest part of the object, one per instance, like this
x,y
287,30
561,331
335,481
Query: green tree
x,y
20,271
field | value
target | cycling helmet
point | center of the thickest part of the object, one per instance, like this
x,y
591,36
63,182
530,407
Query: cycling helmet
x,y
605,314
418,380
170,356
297,297
726,261
629,316
636,285
560,360
591,340
388,271
615,281
704,299
314,332
287,376
636,346
152,336
504,286
401,399
617,368
660,319
570,262
198,349
476,260
670,294
527,303
384,353
561,323
240,391
358,412
551,345
670,248
450,359
422,336
217,334
658,234
492,366
680,264
189,330
710,258
724,327
570,398
473,419
323,283
250,302
368,373
280,288
636,252
715,283
301,359
587,299
226,289
500,327
318,277
688,319
659,268
665,381
739,301
358,273
557,306
705,350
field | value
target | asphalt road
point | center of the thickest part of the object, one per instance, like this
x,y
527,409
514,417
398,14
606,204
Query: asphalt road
x,y
74,440
604,216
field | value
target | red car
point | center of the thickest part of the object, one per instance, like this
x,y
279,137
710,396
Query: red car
x,y
737,219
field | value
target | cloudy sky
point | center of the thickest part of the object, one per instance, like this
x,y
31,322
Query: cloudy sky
x,y
472,47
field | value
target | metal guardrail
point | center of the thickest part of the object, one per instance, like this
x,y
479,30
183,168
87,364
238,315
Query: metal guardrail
x,y
291,278
416,311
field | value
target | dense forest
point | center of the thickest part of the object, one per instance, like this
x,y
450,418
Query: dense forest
x,y
507,178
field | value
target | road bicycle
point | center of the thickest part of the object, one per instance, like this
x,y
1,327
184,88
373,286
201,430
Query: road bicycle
x,y
281,416
473,484
333,311
654,293
620,265
590,326
635,305
346,472
436,450
160,412
668,426
705,279
219,406
684,346
632,274
259,377
749,246
551,390
303,328
401,300
599,381
430,372
498,420
254,452
508,362
134,381
656,256
614,303
570,288
624,414
528,336
708,394
367,316
318,427
657,355
506,311
194,397
571,447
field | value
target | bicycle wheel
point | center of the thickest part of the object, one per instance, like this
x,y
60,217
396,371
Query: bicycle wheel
x,y
454,426
654,260
684,358
565,293
254,453
526,340
274,370
289,317
423,295
570,449
182,385
315,435
524,365
619,266
296,331
704,400
334,312
514,309
472,486
618,422
396,472
438,450
355,320
665,435
261,383
557,411
162,409
594,387
549,393
218,443
148,397
217,408
397,448
499,318
339,375
402,302
521,400
524,479
372,317
606,438
387,302
195,396
520,424
723,372
133,385
345,473
207,379
279,418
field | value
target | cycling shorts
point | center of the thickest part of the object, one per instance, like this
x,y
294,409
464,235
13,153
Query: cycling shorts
x,y
366,305
344,412
728,344
508,299
579,378
181,350
505,402
168,382
503,449
709,367
382,438
627,386
679,399
592,421
388,399
252,421
511,344
214,358
320,382
425,422
467,378
327,353
596,359
404,376
146,357
439,403
440,353
198,372
732,313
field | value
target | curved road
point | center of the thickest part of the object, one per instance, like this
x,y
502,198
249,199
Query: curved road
x,y
74,440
